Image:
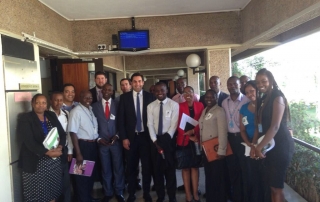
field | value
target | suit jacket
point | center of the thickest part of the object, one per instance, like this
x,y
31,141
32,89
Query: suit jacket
x,y
31,134
221,98
184,109
127,115
107,127
94,94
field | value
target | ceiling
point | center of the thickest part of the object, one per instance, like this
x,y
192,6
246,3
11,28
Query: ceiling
x,y
106,9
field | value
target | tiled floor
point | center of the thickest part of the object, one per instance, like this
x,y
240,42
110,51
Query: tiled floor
x,y
290,194
180,194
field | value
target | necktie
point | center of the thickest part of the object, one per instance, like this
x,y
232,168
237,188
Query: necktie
x,y
107,110
160,125
138,126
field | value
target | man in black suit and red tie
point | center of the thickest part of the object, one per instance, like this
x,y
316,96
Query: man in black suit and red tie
x,y
215,84
133,131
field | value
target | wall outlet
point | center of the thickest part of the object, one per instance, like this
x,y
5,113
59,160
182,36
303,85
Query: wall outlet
x,y
102,47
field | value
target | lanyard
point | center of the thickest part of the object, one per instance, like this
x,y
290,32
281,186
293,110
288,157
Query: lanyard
x,y
91,119
44,125
234,110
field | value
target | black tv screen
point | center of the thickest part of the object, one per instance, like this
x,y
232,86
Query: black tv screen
x,y
134,40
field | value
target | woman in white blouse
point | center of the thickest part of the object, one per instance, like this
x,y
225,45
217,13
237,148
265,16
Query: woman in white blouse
x,y
213,124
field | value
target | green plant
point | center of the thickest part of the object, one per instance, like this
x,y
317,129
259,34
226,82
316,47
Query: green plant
x,y
303,175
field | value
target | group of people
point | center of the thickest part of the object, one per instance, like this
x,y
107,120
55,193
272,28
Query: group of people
x,y
140,126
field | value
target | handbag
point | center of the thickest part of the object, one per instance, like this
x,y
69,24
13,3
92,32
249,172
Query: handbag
x,y
186,157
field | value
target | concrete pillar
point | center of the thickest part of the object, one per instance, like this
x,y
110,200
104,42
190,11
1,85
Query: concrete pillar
x,y
218,63
193,80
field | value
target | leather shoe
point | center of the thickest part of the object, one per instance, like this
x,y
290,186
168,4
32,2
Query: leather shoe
x,y
106,198
95,199
199,192
153,188
138,185
120,198
131,198
173,200
147,198
160,200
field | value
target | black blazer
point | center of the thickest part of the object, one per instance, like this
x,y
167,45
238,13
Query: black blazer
x,y
94,94
31,135
221,98
127,115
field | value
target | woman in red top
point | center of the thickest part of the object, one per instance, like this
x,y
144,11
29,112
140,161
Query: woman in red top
x,y
187,140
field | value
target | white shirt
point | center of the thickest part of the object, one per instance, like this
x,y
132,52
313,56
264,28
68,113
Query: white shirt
x,y
169,118
62,117
141,106
98,90
83,122
104,104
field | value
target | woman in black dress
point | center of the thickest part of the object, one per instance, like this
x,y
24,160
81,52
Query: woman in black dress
x,y
271,120
41,168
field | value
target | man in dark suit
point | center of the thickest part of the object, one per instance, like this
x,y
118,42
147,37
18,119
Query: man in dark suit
x,y
215,84
110,147
133,131
100,79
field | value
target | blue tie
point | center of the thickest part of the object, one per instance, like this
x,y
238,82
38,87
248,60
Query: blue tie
x,y
138,114
160,125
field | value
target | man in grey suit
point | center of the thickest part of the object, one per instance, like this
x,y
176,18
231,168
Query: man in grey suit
x,y
110,147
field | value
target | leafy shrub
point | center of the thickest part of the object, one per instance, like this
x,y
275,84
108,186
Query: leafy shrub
x,y
303,175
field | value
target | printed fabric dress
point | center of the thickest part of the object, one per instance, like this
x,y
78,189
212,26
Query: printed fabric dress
x,y
46,183
278,159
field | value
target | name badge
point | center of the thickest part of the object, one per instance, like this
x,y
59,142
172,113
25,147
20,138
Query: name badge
x,y
260,128
245,120
208,116
231,124
112,117
168,113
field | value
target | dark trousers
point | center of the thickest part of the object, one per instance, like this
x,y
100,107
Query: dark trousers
x,y
139,149
164,169
84,184
215,182
234,167
66,186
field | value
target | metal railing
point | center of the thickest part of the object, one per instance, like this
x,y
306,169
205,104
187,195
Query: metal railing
x,y
307,145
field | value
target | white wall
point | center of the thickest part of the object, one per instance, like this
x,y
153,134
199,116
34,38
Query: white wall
x,y
5,173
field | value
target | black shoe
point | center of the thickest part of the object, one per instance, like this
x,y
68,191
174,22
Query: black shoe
x,y
204,195
199,192
147,198
180,188
160,200
138,185
173,200
96,200
106,198
131,198
153,188
120,198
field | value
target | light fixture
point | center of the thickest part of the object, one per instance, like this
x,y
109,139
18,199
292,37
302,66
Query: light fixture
x,y
157,80
176,77
180,73
193,61
145,79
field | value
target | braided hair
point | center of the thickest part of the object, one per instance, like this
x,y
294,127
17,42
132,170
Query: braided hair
x,y
273,86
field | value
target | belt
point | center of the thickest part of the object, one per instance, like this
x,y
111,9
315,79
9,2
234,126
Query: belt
x,y
88,140
234,134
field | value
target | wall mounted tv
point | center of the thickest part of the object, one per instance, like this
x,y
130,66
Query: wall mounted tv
x,y
133,40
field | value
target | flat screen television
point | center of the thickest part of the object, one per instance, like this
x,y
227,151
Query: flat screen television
x,y
133,40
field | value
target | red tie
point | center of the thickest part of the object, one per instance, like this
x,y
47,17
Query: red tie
x,y
107,111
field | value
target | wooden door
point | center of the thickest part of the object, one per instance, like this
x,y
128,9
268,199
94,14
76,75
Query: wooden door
x,y
78,75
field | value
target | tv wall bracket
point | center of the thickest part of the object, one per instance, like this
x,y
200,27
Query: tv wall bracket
x,y
133,23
